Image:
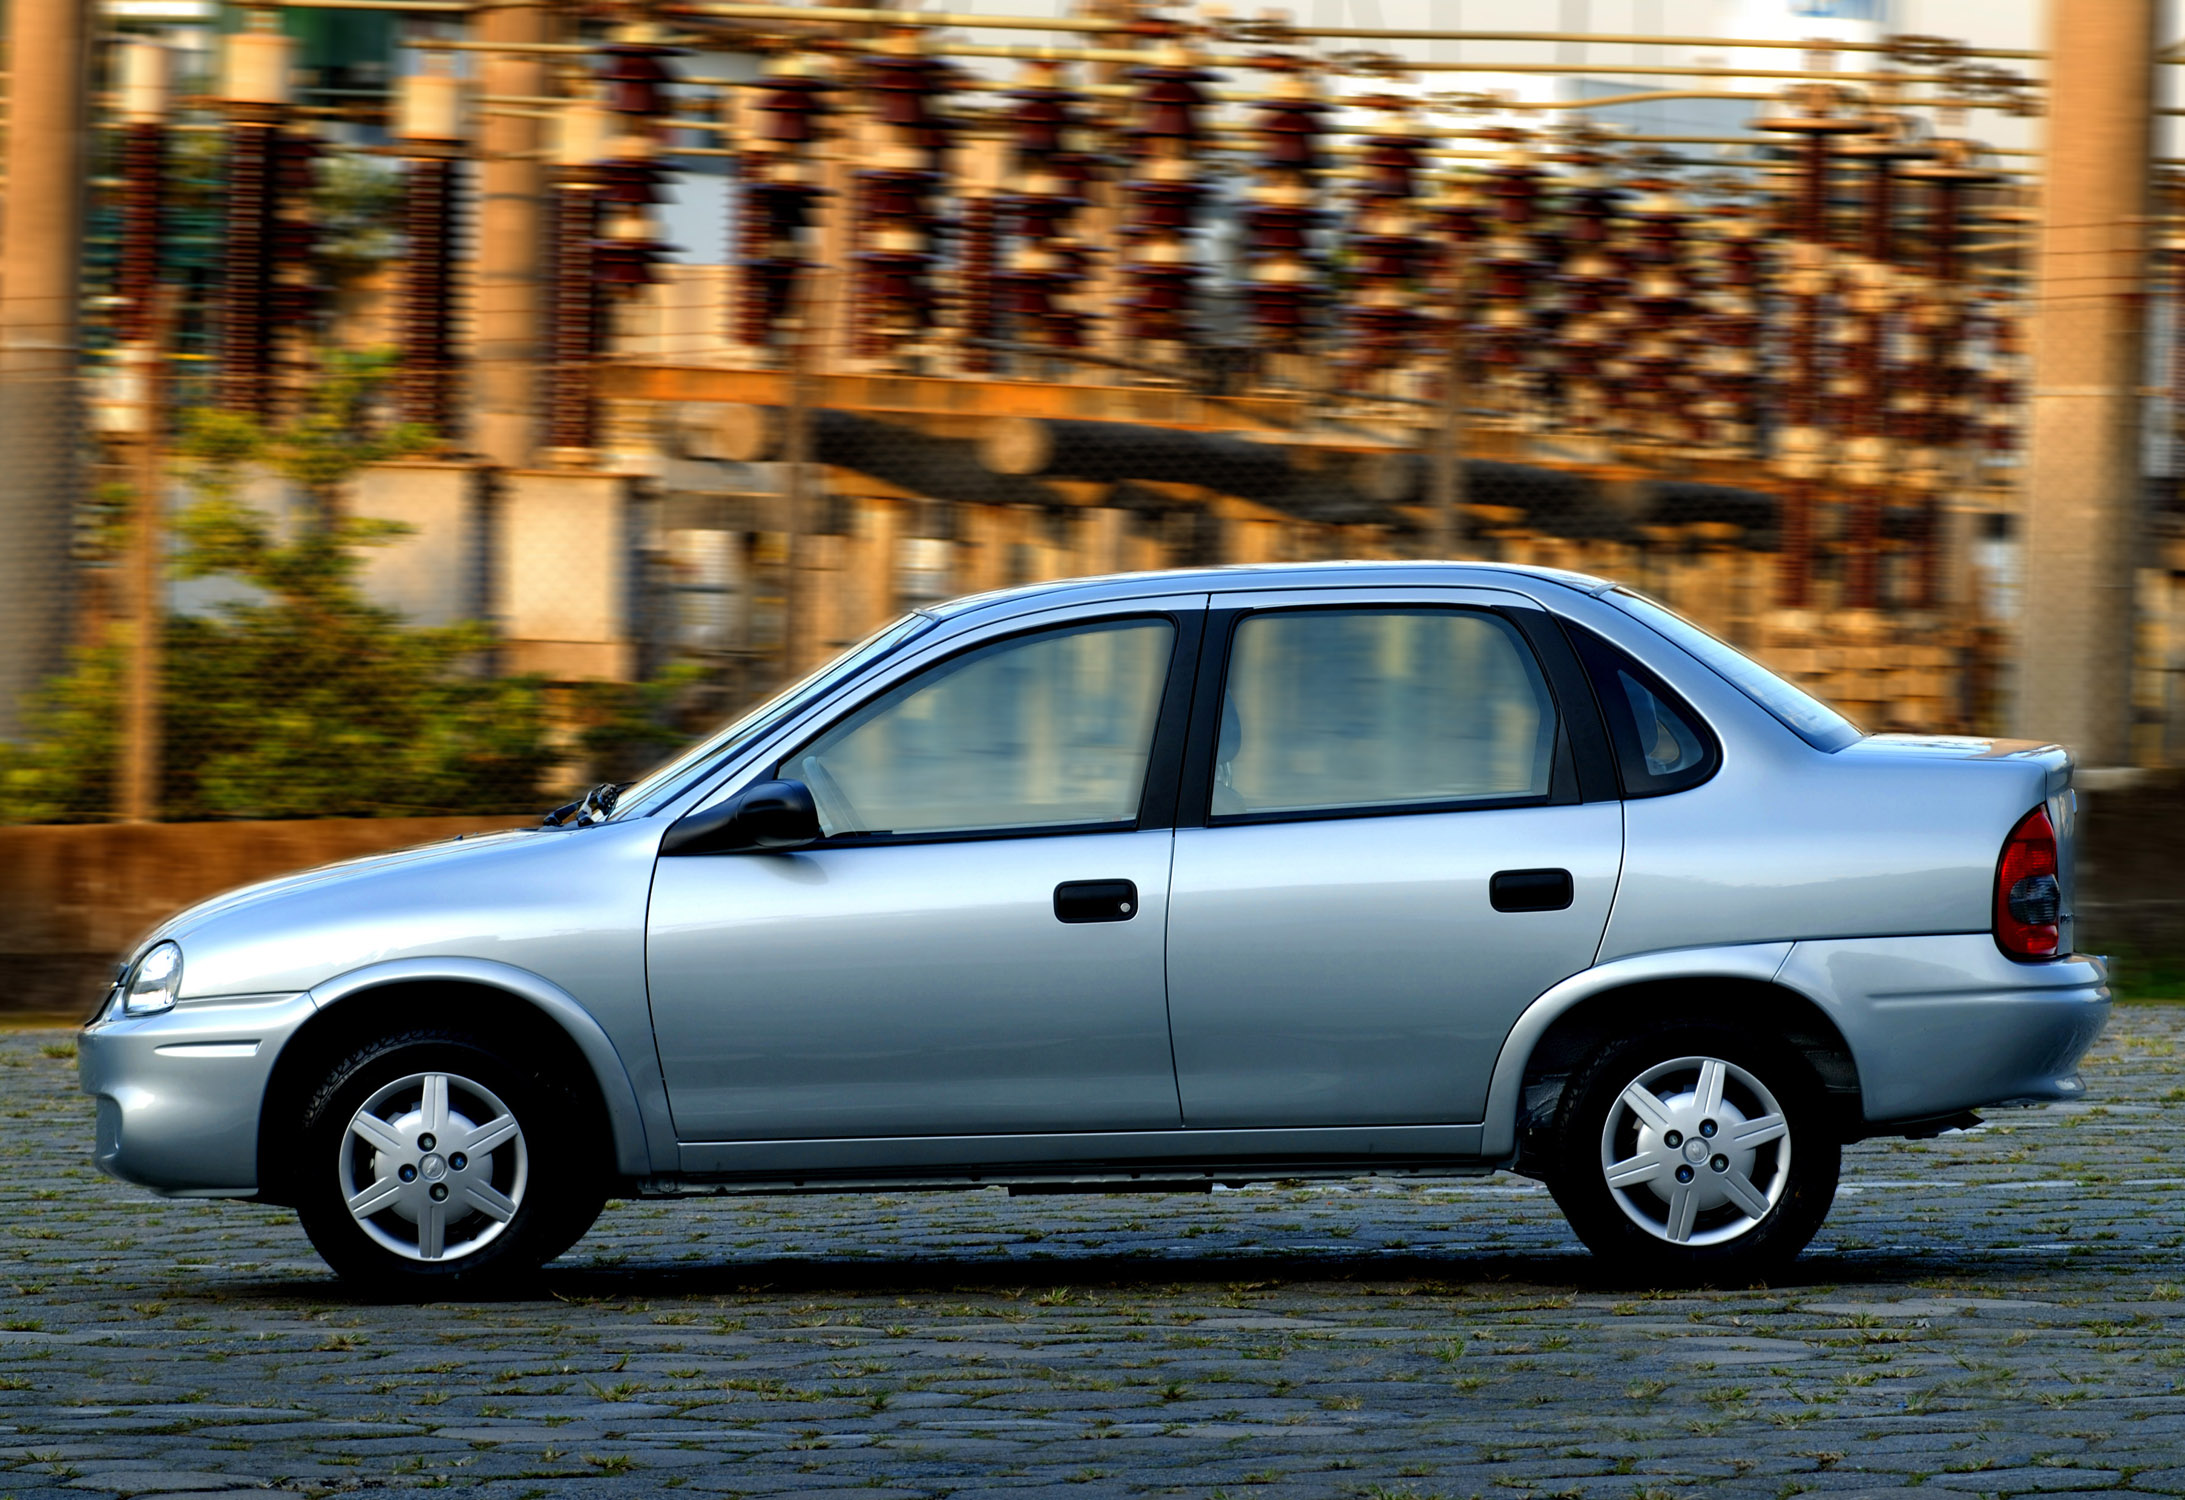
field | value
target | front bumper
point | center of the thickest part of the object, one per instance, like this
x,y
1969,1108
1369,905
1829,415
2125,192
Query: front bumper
x,y
1943,1024
179,1093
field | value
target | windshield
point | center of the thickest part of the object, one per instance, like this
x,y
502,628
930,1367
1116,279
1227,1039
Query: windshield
x,y
1805,715
641,797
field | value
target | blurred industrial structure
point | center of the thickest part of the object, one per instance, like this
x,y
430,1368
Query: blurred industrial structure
x,y
997,297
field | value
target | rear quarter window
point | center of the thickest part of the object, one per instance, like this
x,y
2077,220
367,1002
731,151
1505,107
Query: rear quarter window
x,y
1796,709
1661,745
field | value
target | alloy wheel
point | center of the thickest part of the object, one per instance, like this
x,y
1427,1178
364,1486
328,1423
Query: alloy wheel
x,y
1696,1151
433,1167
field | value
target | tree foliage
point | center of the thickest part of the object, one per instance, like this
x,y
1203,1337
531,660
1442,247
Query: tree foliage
x,y
297,696
356,211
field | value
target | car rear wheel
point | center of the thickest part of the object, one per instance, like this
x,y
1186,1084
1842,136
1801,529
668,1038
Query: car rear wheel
x,y
1695,1154
431,1159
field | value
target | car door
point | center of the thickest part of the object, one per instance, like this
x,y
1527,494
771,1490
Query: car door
x,y
1406,829
976,945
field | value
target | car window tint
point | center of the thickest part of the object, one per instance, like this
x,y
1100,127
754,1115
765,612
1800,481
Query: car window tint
x,y
1666,742
1662,746
1040,731
1336,709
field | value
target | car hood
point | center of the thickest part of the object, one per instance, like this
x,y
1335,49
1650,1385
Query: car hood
x,y
443,851
566,905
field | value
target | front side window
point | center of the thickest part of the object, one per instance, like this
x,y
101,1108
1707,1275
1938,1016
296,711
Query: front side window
x,y
646,796
1333,710
1043,731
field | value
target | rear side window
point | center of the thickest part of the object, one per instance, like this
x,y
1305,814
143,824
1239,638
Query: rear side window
x,y
1661,745
1327,711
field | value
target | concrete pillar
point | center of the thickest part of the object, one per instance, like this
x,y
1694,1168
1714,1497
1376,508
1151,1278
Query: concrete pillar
x,y
875,553
146,81
983,535
2083,483
1252,540
1101,536
41,248
816,628
505,296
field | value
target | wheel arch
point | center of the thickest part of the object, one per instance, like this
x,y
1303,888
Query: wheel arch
x,y
533,1012
1737,985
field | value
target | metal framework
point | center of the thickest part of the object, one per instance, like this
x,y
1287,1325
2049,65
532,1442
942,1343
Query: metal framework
x,y
1290,263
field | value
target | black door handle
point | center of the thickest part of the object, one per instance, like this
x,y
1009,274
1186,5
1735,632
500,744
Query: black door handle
x,y
1530,890
1096,901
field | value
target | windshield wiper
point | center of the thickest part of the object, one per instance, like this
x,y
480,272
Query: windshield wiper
x,y
592,807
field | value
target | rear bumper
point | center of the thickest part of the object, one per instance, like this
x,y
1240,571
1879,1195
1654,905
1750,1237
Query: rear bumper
x,y
179,1094
1941,1024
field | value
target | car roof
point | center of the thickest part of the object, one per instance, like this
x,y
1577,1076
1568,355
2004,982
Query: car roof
x,y
1246,577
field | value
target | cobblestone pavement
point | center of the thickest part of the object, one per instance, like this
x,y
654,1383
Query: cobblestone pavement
x,y
1993,1313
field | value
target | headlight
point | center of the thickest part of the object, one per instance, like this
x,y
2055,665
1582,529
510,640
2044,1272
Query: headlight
x,y
154,982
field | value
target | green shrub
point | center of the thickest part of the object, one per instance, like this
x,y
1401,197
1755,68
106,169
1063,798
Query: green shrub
x,y
304,699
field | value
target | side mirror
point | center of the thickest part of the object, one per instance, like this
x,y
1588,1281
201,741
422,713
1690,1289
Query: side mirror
x,y
769,817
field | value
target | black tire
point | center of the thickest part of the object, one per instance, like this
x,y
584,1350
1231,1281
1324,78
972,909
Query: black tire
x,y
558,1142
1792,1178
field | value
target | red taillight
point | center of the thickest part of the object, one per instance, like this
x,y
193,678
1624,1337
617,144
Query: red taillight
x,y
2028,900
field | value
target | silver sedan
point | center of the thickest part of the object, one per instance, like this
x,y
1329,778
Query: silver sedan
x,y
1153,881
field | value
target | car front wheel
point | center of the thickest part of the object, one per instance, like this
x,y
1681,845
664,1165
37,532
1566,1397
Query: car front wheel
x,y
430,1159
1695,1154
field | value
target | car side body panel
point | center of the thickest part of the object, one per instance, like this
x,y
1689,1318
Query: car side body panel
x,y
1754,963
634,1154
1786,842
1353,971
1094,1156
179,1094
1935,1024
911,989
556,917
1862,880
1947,1023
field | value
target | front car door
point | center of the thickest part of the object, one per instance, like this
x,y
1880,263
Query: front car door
x,y
976,946
1406,830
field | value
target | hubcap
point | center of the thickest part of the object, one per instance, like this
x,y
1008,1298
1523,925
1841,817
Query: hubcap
x,y
433,1166
1696,1151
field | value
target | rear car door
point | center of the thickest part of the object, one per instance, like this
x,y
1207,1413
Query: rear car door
x,y
976,946
1398,827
